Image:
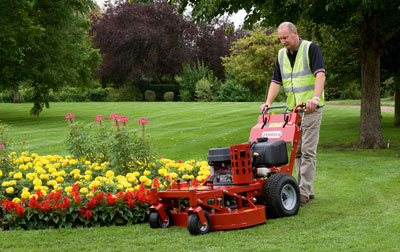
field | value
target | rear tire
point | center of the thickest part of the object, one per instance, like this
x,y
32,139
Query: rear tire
x,y
194,224
156,222
281,195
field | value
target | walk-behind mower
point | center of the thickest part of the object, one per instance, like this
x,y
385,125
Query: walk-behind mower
x,y
249,182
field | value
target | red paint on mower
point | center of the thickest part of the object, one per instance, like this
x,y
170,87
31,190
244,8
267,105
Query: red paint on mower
x,y
249,182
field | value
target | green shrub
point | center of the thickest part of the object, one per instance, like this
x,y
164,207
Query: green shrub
x,y
233,91
169,96
203,90
127,92
98,94
190,76
149,95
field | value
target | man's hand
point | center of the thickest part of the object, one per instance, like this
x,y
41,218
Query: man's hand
x,y
311,105
264,107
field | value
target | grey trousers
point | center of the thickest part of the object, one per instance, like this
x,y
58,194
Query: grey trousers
x,y
306,155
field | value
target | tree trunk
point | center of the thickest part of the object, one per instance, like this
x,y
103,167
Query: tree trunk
x,y
370,135
397,104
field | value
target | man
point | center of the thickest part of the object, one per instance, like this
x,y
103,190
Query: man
x,y
300,69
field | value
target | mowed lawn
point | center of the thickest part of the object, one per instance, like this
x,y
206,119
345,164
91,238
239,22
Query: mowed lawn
x,y
357,205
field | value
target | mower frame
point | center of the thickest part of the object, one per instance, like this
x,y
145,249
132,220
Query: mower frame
x,y
209,207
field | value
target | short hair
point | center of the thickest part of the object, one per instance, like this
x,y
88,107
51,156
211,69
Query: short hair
x,y
288,25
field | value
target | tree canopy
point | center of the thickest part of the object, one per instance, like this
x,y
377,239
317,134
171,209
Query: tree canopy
x,y
44,45
252,59
153,41
376,21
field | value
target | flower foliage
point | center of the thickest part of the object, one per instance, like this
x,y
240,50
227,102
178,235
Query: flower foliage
x,y
116,144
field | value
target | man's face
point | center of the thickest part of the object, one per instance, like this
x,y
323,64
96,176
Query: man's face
x,y
288,38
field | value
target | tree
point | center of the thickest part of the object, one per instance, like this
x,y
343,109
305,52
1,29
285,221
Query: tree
x,y
153,41
377,20
44,45
141,40
252,59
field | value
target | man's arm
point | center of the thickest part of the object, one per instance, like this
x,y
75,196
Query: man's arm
x,y
273,92
312,104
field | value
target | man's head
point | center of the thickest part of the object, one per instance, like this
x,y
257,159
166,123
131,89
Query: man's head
x,y
288,36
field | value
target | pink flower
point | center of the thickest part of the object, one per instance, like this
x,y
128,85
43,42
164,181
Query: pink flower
x,y
143,120
69,116
99,118
1,145
114,116
123,120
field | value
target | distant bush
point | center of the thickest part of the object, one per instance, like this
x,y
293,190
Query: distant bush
x,y
169,96
203,90
149,95
127,92
233,91
190,76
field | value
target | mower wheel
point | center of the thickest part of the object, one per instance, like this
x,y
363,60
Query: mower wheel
x,y
156,222
194,224
281,195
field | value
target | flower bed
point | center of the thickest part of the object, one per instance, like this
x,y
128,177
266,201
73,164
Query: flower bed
x,y
53,191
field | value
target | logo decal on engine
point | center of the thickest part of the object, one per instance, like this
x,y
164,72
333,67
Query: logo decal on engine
x,y
272,134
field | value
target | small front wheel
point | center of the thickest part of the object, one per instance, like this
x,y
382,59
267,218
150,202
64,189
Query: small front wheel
x,y
156,222
195,226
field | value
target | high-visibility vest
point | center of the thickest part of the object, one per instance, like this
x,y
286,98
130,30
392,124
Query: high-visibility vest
x,y
299,81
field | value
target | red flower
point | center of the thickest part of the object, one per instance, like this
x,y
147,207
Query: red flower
x,y
156,183
88,214
195,182
20,211
110,200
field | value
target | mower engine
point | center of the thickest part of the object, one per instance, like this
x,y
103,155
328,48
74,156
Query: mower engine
x,y
240,164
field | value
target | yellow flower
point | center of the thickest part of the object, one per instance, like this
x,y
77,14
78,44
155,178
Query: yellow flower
x,y
88,177
174,175
56,165
9,190
44,176
185,176
147,173
77,176
1,173
13,182
88,172
109,174
88,162
143,179
62,173
44,188
97,168
148,182
162,171
52,182
37,182
44,193
60,179
136,174
84,190
120,187
73,162
25,195
68,189
16,200
75,171
5,184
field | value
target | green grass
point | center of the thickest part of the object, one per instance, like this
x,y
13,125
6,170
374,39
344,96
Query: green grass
x,y
357,205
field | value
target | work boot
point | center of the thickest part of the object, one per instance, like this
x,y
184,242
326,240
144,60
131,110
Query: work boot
x,y
303,200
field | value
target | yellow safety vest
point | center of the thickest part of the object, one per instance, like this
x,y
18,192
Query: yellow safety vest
x,y
299,81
